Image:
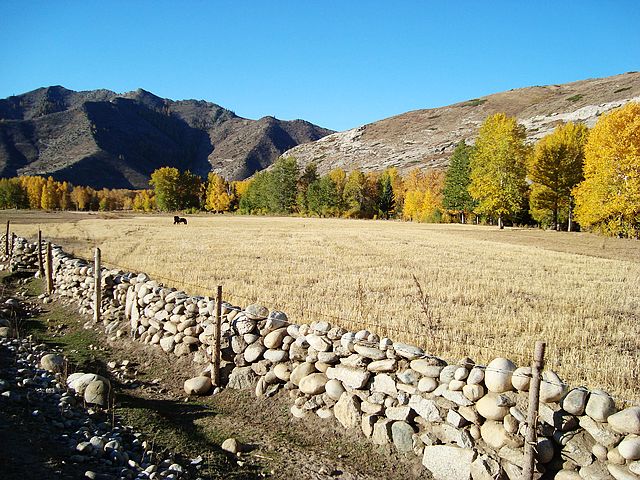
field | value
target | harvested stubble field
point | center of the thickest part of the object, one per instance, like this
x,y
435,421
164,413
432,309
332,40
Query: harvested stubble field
x,y
484,292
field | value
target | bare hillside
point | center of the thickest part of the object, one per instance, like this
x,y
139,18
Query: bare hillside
x,y
426,138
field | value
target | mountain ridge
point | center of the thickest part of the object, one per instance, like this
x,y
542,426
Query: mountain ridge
x,y
72,135
425,138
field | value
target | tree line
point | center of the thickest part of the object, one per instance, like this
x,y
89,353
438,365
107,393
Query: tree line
x,y
570,176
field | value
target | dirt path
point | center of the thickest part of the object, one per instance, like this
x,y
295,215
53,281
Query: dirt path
x,y
150,398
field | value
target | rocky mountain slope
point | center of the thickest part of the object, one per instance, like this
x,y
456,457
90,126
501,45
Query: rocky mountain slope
x,y
426,138
104,139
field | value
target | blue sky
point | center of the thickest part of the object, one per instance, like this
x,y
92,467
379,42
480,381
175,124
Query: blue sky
x,y
339,64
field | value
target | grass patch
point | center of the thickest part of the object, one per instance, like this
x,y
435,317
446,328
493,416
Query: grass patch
x,y
575,98
475,102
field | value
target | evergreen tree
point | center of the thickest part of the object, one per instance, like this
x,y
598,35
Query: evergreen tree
x,y
456,196
386,202
282,185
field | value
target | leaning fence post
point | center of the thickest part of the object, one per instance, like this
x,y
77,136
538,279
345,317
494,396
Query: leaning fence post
x,y
49,270
97,283
6,240
218,335
13,242
40,265
531,438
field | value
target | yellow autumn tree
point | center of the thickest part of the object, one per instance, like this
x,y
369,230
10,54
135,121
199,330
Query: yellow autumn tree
x,y
339,178
498,168
608,199
33,185
144,201
554,170
50,199
218,196
423,196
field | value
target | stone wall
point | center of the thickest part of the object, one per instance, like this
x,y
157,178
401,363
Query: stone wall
x,y
466,421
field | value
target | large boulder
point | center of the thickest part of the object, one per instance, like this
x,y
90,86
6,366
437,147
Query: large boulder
x,y
198,385
497,376
446,462
347,410
313,384
97,393
626,421
52,362
241,378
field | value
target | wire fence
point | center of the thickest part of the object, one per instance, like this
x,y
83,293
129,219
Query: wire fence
x,y
501,349
429,337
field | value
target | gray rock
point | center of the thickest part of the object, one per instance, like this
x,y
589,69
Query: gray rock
x,y
388,365
629,447
552,388
319,343
198,385
276,355
347,410
521,379
575,401
97,393
334,389
256,312
495,435
488,407
351,377
382,432
446,462
254,351
402,435
407,351
383,383
426,408
427,384
231,445
601,433
241,378
486,468
370,352
427,367
498,374
167,343
578,450
401,413
620,472
600,406
626,421
52,362
313,384
274,339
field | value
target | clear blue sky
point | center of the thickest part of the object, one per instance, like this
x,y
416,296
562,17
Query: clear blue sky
x,y
339,64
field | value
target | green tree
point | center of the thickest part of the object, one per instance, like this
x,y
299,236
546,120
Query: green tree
x,y
282,185
498,168
174,190
323,197
165,182
309,175
386,202
13,194
255,199
456,196
355,194
555,169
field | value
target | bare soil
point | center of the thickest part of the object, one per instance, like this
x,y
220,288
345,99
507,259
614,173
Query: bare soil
x,y
279,446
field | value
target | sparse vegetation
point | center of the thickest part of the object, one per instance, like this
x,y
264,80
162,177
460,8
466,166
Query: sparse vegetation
x,y
575,98
624,89
475,102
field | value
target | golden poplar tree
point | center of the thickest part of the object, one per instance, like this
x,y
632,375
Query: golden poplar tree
x,y
609,197
218,196
498,168
555,169
50,199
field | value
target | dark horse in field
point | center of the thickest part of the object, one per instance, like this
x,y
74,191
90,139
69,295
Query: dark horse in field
x,y
178,219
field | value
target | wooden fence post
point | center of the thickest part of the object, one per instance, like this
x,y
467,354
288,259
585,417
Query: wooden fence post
x,y
218,335
13,242
40,263
49,270
97,283
6,240
531,438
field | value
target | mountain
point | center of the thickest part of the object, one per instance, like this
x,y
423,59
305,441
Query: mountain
x,y
426,138
104,139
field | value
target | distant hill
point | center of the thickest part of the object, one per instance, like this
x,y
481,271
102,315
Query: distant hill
x,y
104,139
426,138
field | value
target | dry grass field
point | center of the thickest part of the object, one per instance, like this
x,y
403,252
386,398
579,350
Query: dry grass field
x,y
485,292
